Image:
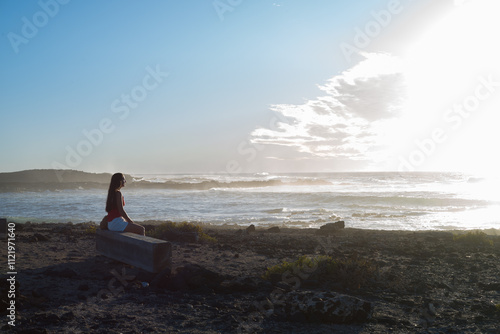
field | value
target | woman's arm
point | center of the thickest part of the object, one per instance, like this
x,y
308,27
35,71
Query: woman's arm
x,y
121,210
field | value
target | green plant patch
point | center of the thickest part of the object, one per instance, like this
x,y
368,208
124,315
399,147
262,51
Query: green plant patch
x,y
325,270
91,228
474,239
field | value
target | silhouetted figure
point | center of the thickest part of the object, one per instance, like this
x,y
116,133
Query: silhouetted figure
x,y
117,218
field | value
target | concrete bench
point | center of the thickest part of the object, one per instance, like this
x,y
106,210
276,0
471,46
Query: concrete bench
x,y
150,254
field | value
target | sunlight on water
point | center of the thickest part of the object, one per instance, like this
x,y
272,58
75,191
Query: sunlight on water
x,y
410,201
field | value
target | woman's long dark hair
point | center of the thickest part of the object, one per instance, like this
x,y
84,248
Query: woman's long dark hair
x,y
116,180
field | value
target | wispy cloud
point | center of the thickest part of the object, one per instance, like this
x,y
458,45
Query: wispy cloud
x,y
349,121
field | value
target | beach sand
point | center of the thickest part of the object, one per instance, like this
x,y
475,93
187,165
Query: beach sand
x,y
423,282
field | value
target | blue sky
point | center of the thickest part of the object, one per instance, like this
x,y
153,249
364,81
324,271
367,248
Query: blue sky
x,y
237,86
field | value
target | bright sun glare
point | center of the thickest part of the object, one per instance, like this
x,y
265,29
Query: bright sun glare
x,y
445,68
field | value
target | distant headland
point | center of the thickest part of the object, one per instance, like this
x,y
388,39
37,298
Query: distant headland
x,y
51,179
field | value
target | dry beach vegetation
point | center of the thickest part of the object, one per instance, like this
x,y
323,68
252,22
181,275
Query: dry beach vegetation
x,y
231,279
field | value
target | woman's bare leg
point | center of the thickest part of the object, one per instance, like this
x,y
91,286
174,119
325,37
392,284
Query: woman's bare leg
x,y
135,228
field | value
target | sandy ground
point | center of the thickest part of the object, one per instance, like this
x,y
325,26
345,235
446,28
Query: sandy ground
x,y
424,282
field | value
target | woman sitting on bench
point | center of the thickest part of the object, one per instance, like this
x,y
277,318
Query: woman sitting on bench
x,y
117,218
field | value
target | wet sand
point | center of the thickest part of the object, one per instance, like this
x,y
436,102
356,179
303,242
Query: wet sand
x,y
423,282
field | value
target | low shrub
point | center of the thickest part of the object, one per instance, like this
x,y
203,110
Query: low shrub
x,y
327,271
302,264
90,228
474,239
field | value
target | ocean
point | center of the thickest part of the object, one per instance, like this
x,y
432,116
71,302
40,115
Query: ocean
x,y
382,201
